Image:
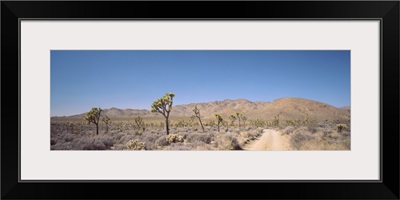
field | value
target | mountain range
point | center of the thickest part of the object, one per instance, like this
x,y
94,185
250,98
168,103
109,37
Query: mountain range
x,y
286,108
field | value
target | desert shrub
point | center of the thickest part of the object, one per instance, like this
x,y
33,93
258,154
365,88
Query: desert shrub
x,y
288,130
87,143
150,146
326,144
228,142
107,140
62,146
199,146
172,138
202,137
135,145
246,137
326,133
185,134
178,147
341,127
234,130
118,136
323,125
149,138
118,147
125,139
312,129
68,137
162,141
298,139
97,145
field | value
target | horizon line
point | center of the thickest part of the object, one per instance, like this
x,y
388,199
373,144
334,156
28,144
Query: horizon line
x,y
204,102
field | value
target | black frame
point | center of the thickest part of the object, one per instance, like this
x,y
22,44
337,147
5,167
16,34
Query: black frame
x,y
386,11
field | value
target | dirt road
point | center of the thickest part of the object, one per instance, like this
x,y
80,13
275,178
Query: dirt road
x,y
271,140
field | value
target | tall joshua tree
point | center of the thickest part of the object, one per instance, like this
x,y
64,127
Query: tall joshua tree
x,y
163,105
219,120
197,115
106,120
93,116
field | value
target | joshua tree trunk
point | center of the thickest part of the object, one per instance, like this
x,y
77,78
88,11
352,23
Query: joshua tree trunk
x,y
167,125
97,128
218,126
202,127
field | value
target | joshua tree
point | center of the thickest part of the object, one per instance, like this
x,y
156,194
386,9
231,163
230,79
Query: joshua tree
x,y
276,121
139,122
93,116
219,120
258,123
232,118
244,118
106,120
140,126
238,116
70,126
306,119
197,115
163,105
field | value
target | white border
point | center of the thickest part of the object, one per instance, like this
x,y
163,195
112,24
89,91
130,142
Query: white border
x,y
39,163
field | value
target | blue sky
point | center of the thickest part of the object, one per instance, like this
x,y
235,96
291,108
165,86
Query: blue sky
x,y
84,79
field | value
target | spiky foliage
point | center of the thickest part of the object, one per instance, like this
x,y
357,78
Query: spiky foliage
x,y
232,118
70,126
211,124
106,120
293,122
183,123
174,138
238,115
93,116
340,127
139,125
244,119
258,123
135,145
197,115
163,105
219,120
276,121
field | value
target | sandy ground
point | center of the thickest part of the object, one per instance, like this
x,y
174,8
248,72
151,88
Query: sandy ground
x,y
271,140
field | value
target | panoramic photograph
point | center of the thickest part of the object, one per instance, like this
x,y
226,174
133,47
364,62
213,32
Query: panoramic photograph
x,y
200,100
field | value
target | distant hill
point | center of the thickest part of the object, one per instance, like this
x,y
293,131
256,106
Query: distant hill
x,y
287,108
346,108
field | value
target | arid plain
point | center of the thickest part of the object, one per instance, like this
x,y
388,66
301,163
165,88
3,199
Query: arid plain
x,y
282,124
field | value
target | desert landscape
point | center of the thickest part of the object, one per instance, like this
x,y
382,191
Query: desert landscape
x,y
200,100
283,124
